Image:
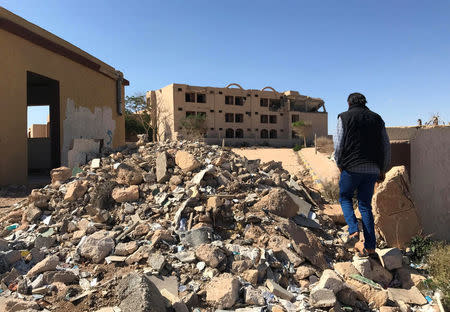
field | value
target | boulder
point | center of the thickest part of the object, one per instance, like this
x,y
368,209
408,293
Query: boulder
x,y
279,203
75,190
48,264
391,258
96,247
162,174
330,280
128,175
223,290
61,174
211,255
395,215
127,194
335,213
186,161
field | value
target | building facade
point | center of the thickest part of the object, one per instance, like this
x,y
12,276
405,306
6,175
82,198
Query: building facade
x,y
85,96
237,115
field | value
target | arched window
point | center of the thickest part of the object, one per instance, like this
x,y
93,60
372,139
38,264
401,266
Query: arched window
x,y
229,133
239,133
264,134
273,134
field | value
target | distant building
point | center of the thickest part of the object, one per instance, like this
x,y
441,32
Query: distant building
x,y
237,115
38,131
85,97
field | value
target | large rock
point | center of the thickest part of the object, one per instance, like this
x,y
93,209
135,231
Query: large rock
x,y
379,274
322,298
48,264
128,175
127,194
279,291
345,269
39,199
391,258
279,203
61,174
162,174
223,290
96,247
186,161
75,190
138,294
335,213
368,294
411,296
211,255
395,215
125,249
330,280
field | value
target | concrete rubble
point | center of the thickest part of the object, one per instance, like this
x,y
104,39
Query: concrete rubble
x,y
184,226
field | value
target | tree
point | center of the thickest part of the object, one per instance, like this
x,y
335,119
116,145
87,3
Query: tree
x,y
302,129
137,115
193,126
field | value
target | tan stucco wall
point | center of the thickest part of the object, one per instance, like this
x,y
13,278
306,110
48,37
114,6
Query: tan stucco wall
x,y
38,131
401,133
430,179
81,89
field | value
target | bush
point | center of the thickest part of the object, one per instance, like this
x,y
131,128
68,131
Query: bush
x,y
331,191
420,247
297,147
325,145
438,261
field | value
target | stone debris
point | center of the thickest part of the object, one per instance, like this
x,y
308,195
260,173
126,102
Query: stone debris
x,y
183,226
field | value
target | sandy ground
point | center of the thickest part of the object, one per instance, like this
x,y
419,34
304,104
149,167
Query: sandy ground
x,y
324,168
287,156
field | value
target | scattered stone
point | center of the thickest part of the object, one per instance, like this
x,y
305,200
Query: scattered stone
x,y
411,296
75,190
304,271
223,290
330,280
127,194
211,255
389,309
157,262
335,213
96,247
253,296
279,291
279,203
391,258
61,174
162,175
251,276
322,298
186,161
346,269
48,264
125,249
128,175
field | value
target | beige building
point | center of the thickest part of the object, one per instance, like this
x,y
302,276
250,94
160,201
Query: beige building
x,y
39,131
237,115
85,97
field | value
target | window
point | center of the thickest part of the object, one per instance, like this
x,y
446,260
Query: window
x,y
189,97
229,133
273,119
220,111
264,118
239,100
220,92
264,134
263,102
202,115
295,118
239,118
239,133
179,89
180,108
190,114
229,117
274,104
256,113
201,98
248,113
211,92
273,134
248,129
212,129
229,99
211,111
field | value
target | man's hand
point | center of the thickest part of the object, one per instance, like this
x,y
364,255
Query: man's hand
x,y
381,177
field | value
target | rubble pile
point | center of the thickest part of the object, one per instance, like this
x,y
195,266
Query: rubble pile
x,y
184,226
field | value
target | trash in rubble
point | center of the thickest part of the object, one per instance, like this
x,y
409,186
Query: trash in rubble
x,y
366,281
46,220
12,227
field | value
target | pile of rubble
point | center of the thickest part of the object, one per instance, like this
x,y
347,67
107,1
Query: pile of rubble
x,y
189,227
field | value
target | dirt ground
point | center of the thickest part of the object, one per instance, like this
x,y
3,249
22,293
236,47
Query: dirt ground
x,y
324,168
11,195
287,156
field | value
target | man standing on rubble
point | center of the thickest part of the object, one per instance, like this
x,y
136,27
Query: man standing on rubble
x,y
362,153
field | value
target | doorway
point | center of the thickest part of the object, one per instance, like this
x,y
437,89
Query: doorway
x,y
44,137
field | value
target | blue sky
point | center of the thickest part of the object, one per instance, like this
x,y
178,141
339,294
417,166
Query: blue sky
x,y
395,52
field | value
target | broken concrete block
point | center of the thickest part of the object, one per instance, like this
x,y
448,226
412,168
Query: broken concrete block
x,y
61,174
223,290
335,213
346,269
95,163
75,190
322,298
48,264
304,271
251,276
279,291
39,199
330,280
279,203
96,247
162,174
186,161
409,277
368,294
394,212
156,261
379,274
32,213
411,296
363,266
391,258
128,175
254,296
128,194
125,249
211,255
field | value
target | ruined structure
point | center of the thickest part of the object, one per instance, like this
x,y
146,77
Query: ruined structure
x,y
237,115
84,95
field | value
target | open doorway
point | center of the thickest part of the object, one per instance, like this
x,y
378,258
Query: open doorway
x,y
43,128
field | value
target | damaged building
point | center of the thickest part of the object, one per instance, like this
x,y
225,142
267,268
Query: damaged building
x,y
237,115
85,99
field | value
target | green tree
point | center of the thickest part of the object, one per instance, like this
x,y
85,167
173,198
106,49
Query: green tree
x,y
302,129
193,126
137,116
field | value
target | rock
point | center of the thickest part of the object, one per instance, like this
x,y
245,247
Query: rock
x,y
335,213
211,255
128,175
127,194
363,266
61,174
96,247
279,291
138,294
251,276
15,305
48,264
391,258
157,262
285,254
175,180
75,190
254,296
368,294
322,298
389,309
186,161
347,296
411,296
394,212
32,213
330,280
214,202
143,252
345,269
409,277
39,199
223,290
279,203
162,175
41,242
65,277
162,235
379,274
304,271
186,256
197,237
95,163
125,249
239,266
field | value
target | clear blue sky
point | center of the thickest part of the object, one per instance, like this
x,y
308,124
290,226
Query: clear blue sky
x,y
395,52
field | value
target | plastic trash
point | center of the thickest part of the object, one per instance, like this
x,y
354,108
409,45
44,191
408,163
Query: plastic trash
x,y
12,227
183,223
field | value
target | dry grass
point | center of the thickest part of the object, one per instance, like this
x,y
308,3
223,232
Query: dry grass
x,y
439,266
331,191
325,145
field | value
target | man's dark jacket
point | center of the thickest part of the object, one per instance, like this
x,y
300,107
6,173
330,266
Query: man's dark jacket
x,y
362,138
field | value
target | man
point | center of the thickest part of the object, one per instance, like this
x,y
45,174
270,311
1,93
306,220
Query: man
x,y
362,153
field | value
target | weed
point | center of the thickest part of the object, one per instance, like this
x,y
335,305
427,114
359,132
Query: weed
x,y
297,147
420,247
325,145
331,191
438,261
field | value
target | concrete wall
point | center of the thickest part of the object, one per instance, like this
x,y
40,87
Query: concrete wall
x,y
38,131
401,133
87,99
430,179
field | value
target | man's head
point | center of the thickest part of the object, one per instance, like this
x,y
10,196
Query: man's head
x,y
356,99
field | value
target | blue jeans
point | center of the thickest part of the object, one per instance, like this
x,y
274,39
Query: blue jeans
x,y
364,183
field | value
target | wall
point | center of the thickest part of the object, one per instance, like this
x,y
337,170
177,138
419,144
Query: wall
x,y
401,133
38,131
430,179
81,89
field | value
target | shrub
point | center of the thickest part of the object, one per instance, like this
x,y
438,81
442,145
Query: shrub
x,y
420,247
325,145
438,261
331,191
297,147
